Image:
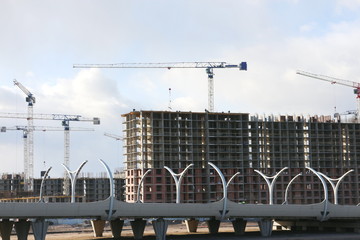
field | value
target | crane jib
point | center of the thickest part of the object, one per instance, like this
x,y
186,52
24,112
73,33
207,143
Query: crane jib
x,y
209,66
169,65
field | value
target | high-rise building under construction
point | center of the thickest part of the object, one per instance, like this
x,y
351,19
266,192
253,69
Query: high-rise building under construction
x,y
239,142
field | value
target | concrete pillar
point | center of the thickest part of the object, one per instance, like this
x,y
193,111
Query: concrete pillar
x,y
160,227
239,226
98,227
213,226
22,228
266,226
116,227
5,229
40,227
191,225
138,227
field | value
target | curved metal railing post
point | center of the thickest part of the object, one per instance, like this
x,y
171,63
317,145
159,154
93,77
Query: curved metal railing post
x,y
288,186
232,178
326,194
334,186
112,187
140,185
224,189
272,183
42,184
73,177
178,180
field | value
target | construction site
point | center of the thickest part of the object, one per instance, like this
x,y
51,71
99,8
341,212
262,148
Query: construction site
x,y
238,143
159,145
24,187
162,145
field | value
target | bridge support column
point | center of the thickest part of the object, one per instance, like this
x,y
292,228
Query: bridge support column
x,y
266,226
191,225
98,227
138,227
213,225
160,227
22,228
116,227
5,229
40,227
239,226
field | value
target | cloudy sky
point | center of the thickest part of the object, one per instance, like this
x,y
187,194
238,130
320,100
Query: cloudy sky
x,y
41,40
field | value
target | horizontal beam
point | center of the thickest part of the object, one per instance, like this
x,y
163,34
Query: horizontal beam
x,y
171,210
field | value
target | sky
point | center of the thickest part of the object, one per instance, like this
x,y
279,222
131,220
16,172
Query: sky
x,y
41,40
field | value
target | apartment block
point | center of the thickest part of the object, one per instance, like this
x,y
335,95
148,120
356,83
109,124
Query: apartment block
x,y
87,189
238,143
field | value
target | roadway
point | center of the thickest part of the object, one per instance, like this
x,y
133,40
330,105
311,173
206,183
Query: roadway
x,y
101,209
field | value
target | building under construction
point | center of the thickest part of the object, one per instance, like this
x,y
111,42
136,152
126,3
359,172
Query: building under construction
x,y
238,142
87,189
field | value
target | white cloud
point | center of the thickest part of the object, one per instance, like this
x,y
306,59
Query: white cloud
x,y
186,104
42,44
348,4
271,84
30,74
88,94
307,27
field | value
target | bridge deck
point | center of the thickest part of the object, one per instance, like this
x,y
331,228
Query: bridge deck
x,y
171,210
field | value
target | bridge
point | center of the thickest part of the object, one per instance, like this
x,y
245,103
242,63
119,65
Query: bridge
x,y
323,214
114,210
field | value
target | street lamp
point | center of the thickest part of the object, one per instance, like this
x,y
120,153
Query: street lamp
x,y
73,177
178,178
272,183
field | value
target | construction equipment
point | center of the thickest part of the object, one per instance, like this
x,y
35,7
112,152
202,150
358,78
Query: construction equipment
x,y
28,165
116,137
65,119
26,131
339,81
209,66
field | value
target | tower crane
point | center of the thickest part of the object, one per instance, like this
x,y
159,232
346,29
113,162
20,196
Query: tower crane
x,y
26,131
209,66
339,81
30,99
116,137
65,120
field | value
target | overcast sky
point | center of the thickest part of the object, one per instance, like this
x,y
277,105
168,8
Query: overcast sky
x,y
41,40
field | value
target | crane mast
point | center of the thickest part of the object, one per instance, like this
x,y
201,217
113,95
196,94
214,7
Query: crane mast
x,y
339,81
209,66
65,118
29,140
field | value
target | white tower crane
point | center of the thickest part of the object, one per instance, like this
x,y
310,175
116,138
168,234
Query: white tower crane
x,y
339,81
28,155
65,122
116,137
209,66
26,131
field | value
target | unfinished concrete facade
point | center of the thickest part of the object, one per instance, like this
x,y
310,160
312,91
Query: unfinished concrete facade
x,y
88,189
238,142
